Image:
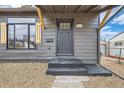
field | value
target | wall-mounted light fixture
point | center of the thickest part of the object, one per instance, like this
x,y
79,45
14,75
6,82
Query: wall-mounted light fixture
x,y
79,25
51,20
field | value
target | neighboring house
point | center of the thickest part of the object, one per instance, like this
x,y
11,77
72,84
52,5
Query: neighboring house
x,y
104,47
116,43
70,32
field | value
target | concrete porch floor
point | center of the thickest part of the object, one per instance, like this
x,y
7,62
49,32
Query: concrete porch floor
x,y
64,66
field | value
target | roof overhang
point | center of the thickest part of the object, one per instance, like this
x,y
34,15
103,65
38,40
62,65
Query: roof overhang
x,y
18,11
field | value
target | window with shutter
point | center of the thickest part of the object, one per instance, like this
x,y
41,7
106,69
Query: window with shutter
x,y
23,33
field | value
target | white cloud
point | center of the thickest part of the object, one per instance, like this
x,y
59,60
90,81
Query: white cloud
x,y
107,34
106,28
119,20
107,31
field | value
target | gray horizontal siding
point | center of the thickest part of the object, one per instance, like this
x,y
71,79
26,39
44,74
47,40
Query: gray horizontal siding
x,y
2,47
48,48
85,39
88,48
83,32
79,41
86,30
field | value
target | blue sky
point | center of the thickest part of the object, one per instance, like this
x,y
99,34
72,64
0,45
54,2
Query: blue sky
x,y
114,27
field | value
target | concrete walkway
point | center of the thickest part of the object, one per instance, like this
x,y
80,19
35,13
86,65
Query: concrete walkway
x,y
69,81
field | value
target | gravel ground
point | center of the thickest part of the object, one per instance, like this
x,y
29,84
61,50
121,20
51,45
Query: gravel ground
x,y
24,75
113,65
104,82
109,81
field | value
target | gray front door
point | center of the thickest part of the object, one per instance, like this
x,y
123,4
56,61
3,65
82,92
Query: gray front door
x,y
64,37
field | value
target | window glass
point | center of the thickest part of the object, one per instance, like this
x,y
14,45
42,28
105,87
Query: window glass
x,y
61,25
116,44
11,36
68,26
32,37
65,26
120,43
21,36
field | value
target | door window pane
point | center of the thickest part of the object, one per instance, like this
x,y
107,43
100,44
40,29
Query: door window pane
x,y
32,43
11,36
61,25
68,26
65,26
21,36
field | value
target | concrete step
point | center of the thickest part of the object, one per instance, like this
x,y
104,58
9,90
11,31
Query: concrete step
x,y
66,71
64,61
59,63
65,66
71,65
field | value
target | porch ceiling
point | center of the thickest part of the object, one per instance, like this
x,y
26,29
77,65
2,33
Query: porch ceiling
x,y
75,8
60,9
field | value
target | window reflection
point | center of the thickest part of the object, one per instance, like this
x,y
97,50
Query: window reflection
x,y
21,36
65,26
11,36
32,36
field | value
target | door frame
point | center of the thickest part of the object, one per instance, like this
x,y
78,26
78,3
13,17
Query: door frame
x,y
72,38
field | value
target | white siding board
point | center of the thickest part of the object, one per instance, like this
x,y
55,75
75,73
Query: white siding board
x,y
118,38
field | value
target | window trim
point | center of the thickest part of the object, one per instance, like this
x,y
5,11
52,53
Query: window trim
x,y
118,43
28,24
